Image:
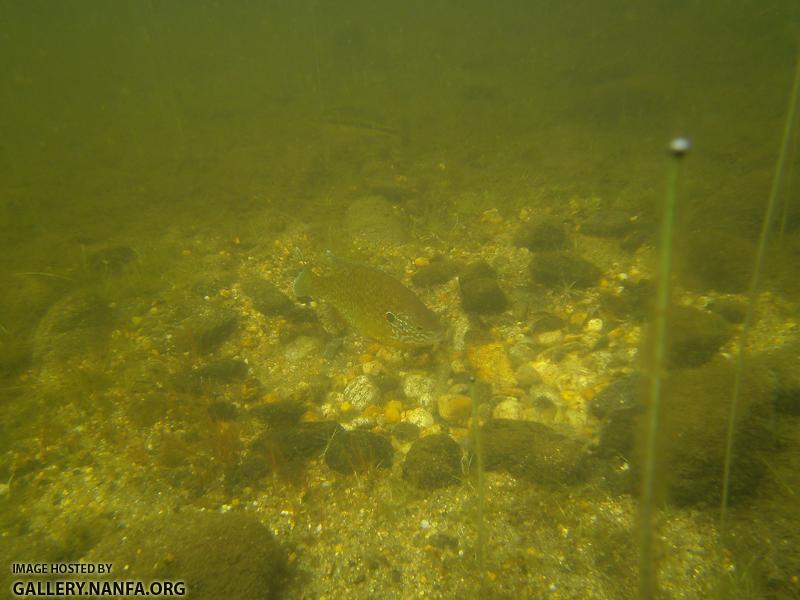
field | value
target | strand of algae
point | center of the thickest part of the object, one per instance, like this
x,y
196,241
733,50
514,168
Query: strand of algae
x,y
647,570
752,292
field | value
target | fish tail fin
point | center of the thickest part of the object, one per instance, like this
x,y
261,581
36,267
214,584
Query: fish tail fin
x,y
302,284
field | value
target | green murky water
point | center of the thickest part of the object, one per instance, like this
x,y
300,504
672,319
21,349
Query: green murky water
x,y
168,406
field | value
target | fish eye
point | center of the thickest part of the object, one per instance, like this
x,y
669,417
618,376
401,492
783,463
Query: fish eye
x,y
391,317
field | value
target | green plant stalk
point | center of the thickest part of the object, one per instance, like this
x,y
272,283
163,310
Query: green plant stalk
x,y
647,570
481,536
752,294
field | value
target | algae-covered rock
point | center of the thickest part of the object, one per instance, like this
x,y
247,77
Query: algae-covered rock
x,y
532,451
694,336
547,234
609,223
439,270
284,450
109,261
784,365
433,462
358,451
556,269
693,425
266,297
79,323
619,406
372,221
479,290
714,260
482,295
231,555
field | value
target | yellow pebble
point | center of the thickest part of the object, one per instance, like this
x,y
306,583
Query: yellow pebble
x,y
391,412
422,261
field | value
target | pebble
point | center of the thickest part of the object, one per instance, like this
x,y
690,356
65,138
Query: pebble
x,y
454,407
419,388
491,363
550,338
300,347
527,375
419,417
362,392
510,408
595,325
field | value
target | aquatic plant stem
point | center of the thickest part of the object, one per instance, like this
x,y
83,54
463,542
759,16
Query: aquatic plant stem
x,y
481,536
752,294
647,570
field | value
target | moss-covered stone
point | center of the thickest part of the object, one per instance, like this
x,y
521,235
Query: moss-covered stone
x,y
694,336
714,260
436,272
784,365
547,234
109,261
557,269
479,290
619,406
284,449
231,555
532,451
482,295
610,223
731,309
214,330
358,451
693,426
266,297
433,462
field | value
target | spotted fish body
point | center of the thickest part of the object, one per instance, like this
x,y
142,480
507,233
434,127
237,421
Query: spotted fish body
x,y
373,303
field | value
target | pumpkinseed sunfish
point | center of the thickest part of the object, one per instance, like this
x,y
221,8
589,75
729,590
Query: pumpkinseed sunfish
x,y
373,303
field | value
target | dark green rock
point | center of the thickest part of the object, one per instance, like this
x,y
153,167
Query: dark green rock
x,y
619,406
730,309
433,462
547,322
214,330
405,432
372,221
223,411
557,269
437,272
284,450
609,223
266,297
620,395
716,261
784,365
109,261
78,323
532,451
224,371
358,451
693,428
542,235
281,413
633,303
694,336
482,295
231,555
